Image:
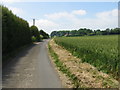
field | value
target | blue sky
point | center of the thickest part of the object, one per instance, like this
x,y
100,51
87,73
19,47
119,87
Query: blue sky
x,y
67,15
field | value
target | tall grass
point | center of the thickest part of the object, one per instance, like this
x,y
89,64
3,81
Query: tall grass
x,y
100,51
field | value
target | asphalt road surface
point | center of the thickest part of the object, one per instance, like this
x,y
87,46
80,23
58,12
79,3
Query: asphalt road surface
x,y
31,68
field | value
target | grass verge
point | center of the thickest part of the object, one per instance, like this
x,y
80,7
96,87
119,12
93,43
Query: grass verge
x,y
63,68
84,75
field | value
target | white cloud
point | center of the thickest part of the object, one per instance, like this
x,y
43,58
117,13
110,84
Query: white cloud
x,y
101,20
61,0
107,14
11,1
66,15
96,23
67,21
44,24
79,12
59,15
16,11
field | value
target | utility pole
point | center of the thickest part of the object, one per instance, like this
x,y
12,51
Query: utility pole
x,y
33,22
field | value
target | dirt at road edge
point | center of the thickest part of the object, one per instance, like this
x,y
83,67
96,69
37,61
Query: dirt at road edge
x,y
88,75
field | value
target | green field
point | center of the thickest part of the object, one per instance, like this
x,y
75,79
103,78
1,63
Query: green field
x,y
100,51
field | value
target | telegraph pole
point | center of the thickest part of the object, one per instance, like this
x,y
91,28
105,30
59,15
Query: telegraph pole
x,y
33,22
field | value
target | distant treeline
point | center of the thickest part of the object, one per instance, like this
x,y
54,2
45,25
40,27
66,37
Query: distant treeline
x,y
85,31
16,32
38,35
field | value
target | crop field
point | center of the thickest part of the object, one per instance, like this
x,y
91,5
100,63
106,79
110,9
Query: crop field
x,y
100,51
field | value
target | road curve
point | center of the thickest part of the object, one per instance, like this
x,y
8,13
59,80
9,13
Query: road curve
x,y
31,68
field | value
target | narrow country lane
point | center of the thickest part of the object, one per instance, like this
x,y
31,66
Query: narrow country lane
x,y
31,68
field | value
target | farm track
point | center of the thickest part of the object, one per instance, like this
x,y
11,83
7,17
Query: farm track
x,y
31,68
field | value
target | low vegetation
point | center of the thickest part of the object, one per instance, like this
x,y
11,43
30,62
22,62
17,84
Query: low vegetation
x,y
100,51
63,67
82,74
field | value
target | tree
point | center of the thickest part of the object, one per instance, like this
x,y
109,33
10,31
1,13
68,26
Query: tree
x,y
74,32
85,31
35,33
44,34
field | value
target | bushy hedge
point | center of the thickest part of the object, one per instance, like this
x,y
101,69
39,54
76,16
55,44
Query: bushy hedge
x,y
15,31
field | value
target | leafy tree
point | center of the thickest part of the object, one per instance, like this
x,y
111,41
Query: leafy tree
x,y
85,31
35,33
44,34
97,32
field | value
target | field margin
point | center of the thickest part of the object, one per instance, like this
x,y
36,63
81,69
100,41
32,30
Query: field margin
x,y
62,68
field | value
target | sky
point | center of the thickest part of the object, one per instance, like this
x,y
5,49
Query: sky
x,y
51,16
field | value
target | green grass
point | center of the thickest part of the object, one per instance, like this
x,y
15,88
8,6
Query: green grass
x,y
63,68
100,51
